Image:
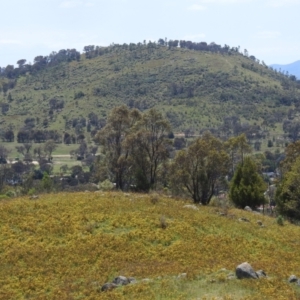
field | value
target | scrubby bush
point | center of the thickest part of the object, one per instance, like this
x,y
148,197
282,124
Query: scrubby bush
x,y
106,185
247,186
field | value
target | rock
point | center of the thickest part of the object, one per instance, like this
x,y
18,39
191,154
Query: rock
x,y
293,278
146,280
108,287
194,207
298,282
245,270
248,208
182,276
34,197
132,280
261,274
231,276
95,185
121,280
244,220
260,223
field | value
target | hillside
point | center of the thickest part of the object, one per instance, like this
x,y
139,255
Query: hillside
x,y
292,69
65,246
195,89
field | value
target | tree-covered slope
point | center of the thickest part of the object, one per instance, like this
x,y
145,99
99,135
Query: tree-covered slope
x,y
195,89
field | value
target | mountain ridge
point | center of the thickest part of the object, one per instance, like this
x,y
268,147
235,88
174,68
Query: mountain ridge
x,y
292,68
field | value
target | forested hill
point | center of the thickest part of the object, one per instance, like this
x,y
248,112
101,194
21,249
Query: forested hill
x,y
197,86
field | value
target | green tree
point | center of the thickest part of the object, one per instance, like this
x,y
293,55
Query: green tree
x,y
112,137
49,147
292,152
47,183
3,154
198,169
247,187
148,145
237,148
288,192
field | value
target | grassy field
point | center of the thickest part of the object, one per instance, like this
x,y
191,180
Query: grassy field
x,y
62,149
65,246
61,155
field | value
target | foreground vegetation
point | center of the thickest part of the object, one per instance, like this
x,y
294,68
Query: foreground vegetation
x,y
64,246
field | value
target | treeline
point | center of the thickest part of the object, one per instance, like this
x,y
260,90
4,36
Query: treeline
x,y
139,153
41,136
9,74
40,62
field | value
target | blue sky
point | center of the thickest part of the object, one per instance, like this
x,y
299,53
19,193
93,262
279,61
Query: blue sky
x,y
266,28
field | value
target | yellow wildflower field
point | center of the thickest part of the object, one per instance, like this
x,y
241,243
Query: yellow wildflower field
x,y
65,246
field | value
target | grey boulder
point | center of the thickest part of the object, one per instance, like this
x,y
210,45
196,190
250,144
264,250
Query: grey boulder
x,y
293,278
245,270
121,280
108,287
248,208
261,274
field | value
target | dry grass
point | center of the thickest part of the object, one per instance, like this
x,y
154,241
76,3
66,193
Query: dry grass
x,y
64,246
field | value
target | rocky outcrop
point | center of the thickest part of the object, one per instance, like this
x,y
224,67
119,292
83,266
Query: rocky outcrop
x,y
248,208
118,281
261,274
121,280
108,287
245,270
293,278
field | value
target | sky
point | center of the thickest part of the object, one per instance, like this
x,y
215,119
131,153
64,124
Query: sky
x,y
266,28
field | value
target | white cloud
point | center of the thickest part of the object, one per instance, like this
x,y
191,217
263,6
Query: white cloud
x,y
196,7
268,34
194,37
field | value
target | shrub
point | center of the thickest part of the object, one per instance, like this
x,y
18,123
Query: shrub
x,y
106,185
247,186
280,220
31,192
288,192
163,222
10,194
154,198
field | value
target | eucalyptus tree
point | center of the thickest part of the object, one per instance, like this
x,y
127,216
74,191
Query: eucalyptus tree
x,y
149,148
112,137
198,169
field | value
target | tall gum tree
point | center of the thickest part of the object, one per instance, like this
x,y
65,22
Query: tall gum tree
x,y
149,148
111,138
197,169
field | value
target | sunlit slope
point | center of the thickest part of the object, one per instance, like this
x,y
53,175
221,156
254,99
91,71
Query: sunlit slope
x,y
63,246
194,88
